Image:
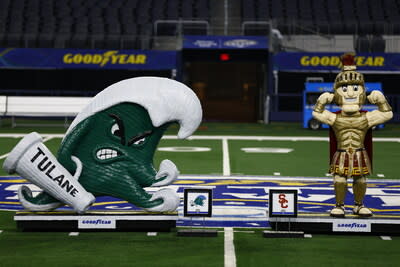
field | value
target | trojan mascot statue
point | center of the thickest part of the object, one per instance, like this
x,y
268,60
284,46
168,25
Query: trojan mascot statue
x,y
108,149
350,138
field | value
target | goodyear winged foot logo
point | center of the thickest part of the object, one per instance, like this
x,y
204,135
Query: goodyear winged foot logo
x,y
110,57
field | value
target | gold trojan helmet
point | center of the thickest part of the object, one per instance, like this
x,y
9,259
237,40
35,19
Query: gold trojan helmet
x,y
348,76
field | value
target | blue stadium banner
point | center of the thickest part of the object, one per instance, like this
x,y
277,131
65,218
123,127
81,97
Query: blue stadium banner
x,y
224,42
87,59
287,61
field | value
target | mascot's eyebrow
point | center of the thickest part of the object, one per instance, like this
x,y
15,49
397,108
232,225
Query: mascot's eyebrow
x,y
121,126
138,137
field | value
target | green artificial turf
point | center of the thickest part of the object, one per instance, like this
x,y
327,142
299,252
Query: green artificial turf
x,y
203,162
105,248
306,159
320,250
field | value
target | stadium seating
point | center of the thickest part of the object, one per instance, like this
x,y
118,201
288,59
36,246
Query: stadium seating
x,y
132,23
326,16
109,24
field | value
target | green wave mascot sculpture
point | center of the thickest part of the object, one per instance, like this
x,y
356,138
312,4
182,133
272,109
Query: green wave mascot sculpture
x,y
109,149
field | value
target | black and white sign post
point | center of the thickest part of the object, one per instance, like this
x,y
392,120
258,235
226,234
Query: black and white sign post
x,y
282,209
197,203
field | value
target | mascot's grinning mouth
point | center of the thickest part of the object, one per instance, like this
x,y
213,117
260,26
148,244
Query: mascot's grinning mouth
x,y
351,99
107,153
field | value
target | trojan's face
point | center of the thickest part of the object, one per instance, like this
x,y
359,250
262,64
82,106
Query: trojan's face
x,y
350,97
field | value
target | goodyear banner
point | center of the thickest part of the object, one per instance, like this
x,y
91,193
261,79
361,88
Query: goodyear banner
x,y
331,62
224,42
87,59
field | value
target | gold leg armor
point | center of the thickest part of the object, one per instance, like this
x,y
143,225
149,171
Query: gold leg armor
x,y
340,184
359,190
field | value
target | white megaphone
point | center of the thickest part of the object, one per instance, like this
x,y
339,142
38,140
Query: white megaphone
x,y
31,159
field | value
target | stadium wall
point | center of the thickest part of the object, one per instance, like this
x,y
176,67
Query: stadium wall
x,y
281,76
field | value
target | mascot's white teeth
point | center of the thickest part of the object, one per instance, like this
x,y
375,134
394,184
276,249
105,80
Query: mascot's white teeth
x,y
351,99
106,153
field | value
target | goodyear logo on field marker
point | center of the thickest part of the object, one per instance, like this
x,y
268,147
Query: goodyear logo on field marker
x,y
351,226
96,223
109,57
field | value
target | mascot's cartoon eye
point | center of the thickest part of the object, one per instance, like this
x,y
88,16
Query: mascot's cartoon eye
x,y
355,88
118,128
115,130
344,88
140,141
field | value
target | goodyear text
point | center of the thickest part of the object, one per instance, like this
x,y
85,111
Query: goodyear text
x,y
331,61
109,57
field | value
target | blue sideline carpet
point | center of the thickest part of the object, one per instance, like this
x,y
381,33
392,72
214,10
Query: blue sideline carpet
x,y
242,201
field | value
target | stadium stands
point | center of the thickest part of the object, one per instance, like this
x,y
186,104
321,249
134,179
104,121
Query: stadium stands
x,y
112,24
133,24
326,16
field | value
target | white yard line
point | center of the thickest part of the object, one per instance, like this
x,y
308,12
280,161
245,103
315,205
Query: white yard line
x,y
152,233
229,248
4,156
228,137
47,138
272,178
386,237
272,138
73,234
18,135
225,158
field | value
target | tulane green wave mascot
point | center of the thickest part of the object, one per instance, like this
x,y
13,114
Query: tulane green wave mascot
x,y
109,149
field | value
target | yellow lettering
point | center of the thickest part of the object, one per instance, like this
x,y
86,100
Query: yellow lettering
x,y
87,59
379,61
305,61
369,61
96,59
67,58
122,59
325,61
359,61
77,59
114,59
315,61
141,59
335,61
106,57
131,59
